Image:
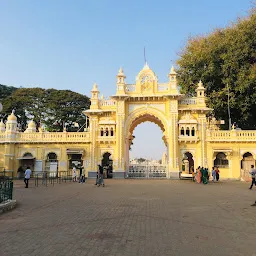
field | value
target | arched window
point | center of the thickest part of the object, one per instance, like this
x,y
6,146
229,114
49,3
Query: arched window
x,y
221,160
106,132
182,132
193,131
111,131
101,132
187,131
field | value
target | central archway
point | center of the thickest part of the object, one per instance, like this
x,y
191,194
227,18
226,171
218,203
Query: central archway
x,y
135,118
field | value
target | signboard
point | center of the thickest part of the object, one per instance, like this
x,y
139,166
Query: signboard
x,y
38,166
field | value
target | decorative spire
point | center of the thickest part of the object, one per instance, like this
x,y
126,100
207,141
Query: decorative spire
x,y
95,88
172,71
146,66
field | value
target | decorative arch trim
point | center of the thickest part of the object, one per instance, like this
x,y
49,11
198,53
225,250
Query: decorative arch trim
x,y
145,114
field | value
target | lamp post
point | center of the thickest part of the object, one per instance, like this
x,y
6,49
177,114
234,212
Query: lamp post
x,y
229,117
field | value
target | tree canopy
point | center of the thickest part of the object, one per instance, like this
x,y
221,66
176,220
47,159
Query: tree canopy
x,y
6,91
49,107
225,60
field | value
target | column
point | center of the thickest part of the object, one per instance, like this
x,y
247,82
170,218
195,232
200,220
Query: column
x,y
173,140
93,147
120,141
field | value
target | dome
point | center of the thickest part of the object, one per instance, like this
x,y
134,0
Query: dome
x,y
31,124
12,117
2,125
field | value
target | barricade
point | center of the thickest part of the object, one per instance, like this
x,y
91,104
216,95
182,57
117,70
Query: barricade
x,y
6,190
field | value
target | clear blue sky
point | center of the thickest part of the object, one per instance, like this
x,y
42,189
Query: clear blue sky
x,y
72,44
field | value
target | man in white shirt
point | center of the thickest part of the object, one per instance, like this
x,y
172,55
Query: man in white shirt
x,y
27,176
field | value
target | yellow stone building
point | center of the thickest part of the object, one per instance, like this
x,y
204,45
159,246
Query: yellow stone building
x,y
191,139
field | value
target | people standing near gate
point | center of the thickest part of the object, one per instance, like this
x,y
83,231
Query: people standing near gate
x,y
253,174
82,174
198,175
27,176
101,178
217,173
205,175
74,173
213,174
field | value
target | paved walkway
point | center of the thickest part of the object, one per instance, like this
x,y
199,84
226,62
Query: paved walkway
x,y
131,217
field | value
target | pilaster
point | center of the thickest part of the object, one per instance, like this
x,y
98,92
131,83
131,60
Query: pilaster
x,y
172,139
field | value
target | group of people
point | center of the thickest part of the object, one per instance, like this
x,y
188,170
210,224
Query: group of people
x,y
81,174
202,175
99,177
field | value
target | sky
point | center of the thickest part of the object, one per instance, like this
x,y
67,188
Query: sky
x,y
72,44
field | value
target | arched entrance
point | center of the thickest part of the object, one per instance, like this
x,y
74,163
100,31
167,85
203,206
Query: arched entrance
x,y
190,160
246,163
27,160
148,168
51,164
107,164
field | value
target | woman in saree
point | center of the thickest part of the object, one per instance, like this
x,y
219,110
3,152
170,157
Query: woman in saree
x,y
198,176
205,175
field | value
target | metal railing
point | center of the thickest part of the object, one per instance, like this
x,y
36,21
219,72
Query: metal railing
x,y
147,171
6,190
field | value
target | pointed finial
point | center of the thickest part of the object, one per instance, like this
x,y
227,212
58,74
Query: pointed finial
x,y
146,66
200,84
172,71
95,87
102,97
120,72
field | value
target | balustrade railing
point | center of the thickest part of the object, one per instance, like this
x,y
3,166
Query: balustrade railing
x,y
107,103
49,137
234,135
189,101
130,88
162,87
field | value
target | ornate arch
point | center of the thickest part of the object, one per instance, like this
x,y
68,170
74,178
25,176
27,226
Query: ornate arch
x,y
143,115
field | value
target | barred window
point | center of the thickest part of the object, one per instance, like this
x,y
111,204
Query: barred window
x,y
221,160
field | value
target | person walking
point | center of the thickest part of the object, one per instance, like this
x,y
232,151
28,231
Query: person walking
x,y
217,173
27,176
101,178
253,174
213,174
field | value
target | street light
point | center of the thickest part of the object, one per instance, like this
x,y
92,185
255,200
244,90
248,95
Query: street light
x,y
229,117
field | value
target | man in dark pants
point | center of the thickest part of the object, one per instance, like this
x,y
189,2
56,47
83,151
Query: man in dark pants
x,y
253,174
100,175
27,176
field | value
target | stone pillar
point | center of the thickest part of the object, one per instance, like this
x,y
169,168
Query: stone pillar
x,y
203,162
94,158
120,141
172,139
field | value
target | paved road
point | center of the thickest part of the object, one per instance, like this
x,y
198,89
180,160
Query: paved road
x,y
131,217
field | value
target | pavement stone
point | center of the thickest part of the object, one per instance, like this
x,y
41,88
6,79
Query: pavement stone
x,y
130,217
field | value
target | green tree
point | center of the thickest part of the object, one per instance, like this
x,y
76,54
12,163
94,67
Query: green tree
x,y
6,91
225,57
64,108
53,108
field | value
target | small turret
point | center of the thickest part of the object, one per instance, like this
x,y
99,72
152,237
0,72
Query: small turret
x,y
11,124
31,127
200,93
95,97
173,81
2,126
120,82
